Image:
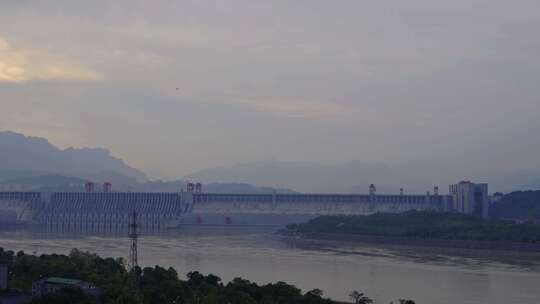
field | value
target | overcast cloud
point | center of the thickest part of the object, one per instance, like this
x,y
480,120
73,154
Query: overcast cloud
x,y
177,86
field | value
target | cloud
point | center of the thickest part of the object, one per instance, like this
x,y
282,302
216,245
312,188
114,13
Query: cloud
x,y
19,65
296,107
371,80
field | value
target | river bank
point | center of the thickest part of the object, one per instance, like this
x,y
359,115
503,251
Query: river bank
x,y
423,242
421,228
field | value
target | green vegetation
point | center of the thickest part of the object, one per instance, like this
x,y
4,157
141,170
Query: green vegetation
x,y
150,285
65,296
523,205
426,225
360,298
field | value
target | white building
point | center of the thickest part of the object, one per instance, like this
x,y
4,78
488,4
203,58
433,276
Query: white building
x,y
470,198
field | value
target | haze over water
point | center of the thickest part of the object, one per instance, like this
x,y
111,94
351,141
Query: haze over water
x,y
385,273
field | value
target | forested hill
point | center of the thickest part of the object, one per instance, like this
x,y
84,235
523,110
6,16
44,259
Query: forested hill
x,y
524,205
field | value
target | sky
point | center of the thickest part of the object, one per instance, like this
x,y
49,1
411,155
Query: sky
x,y
174,87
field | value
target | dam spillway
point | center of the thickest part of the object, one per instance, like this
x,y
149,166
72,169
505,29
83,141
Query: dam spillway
x,y
100,212
17,207
110,211
237,209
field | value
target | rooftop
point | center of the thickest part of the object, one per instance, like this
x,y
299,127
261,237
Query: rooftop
x,y
64,281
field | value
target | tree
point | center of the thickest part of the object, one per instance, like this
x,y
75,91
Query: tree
x,y
360,298
315,293
150,285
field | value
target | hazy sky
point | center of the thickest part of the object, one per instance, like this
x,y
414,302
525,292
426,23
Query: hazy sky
x,y
177,86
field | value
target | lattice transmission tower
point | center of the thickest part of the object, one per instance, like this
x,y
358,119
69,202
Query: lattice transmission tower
x,y
133,235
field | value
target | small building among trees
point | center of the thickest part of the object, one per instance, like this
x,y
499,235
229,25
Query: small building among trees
x,y
49,285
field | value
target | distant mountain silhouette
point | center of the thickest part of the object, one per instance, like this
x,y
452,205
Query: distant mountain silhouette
x,y
32,163
176,186
356,176
47,182
22,156
306,176
242,188
55,182
30,157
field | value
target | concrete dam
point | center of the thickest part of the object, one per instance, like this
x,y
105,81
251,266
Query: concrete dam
x,y
110,211
282,209
90,211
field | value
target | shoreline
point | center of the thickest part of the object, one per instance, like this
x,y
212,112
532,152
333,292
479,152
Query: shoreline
x,y
435,243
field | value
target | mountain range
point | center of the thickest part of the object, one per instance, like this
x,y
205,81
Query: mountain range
x,y
33,161
356,176
23,156
347,177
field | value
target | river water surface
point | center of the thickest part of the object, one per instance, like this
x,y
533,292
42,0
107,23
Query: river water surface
x,y
385,273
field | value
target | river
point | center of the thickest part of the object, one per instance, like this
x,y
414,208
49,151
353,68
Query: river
x,y
385,273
